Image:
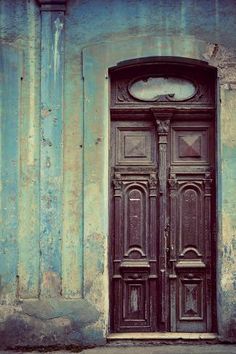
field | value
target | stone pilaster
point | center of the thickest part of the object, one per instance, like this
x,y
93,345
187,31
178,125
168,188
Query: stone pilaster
x,y
51,145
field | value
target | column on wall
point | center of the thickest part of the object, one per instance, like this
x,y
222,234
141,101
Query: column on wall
x,y
51,147
10,85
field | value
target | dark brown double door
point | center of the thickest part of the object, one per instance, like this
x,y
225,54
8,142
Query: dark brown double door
x,y
162,221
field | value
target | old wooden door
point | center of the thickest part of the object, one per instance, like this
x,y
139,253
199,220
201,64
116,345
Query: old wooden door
x,y
162,197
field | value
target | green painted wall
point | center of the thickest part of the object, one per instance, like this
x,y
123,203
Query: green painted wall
x,y
54,154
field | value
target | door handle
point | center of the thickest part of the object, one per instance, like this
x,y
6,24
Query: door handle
x,y
167,242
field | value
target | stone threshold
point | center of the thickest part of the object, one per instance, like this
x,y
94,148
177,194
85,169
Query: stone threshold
x,y
162,336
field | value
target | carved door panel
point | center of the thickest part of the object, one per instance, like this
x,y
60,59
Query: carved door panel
x,y
161,224
134,226
191,185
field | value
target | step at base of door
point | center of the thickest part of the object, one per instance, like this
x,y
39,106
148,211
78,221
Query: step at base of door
x,y
162,336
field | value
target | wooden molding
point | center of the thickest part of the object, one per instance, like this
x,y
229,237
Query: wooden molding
x,y
52,5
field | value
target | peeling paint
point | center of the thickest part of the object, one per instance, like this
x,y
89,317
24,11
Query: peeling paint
x,y
56,51
45,112
228,127
52,282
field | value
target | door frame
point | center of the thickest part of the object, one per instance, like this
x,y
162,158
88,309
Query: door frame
x,y
164,113
96,61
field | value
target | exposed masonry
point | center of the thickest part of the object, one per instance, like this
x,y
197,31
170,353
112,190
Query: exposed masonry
x,y
225,61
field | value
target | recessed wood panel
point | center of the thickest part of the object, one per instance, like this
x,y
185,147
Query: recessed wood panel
x,y
190,145
135,218
191,299
135,301
191,217
135,307
135,145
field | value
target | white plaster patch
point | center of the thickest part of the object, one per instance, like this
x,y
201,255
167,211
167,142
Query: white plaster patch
x,y
56,54
228,122
96,293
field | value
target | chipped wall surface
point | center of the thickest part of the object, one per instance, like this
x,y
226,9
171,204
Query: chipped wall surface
x,y
54,154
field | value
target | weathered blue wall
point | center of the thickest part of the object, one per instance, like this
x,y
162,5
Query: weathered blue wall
x,y
54,216
20,39
212,21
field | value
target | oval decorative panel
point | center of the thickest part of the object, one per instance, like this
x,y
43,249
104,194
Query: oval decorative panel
x,y
153,88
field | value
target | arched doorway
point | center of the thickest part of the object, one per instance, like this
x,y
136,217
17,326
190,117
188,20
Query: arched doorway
x,y
162,214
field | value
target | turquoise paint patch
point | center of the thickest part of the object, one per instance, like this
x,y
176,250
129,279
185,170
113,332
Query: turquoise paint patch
x,y
51,149
11,71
